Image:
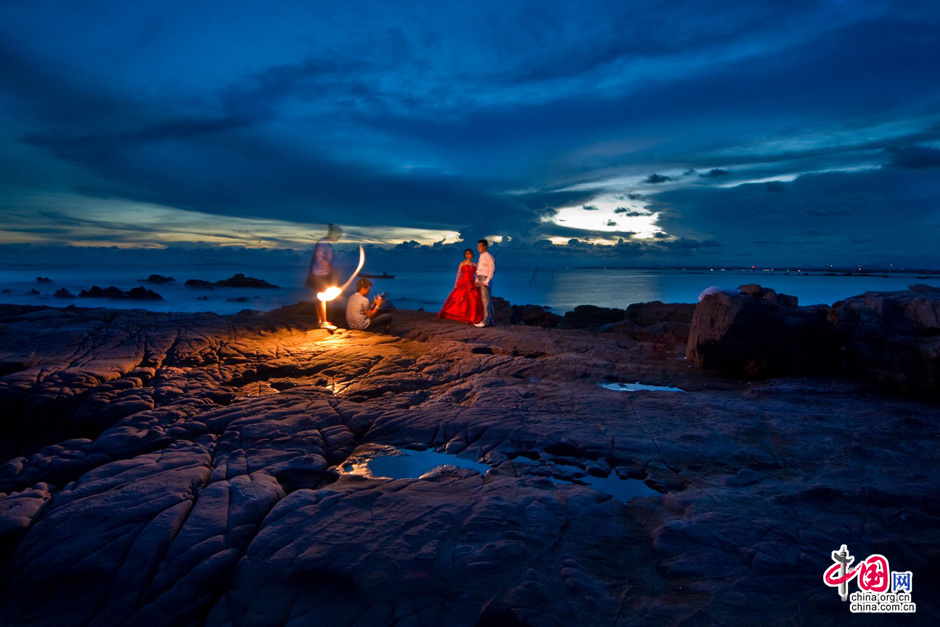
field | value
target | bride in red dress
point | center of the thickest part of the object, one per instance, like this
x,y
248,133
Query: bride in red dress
x,y
464,303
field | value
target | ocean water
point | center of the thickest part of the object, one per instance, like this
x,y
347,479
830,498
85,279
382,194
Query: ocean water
x,y
560,289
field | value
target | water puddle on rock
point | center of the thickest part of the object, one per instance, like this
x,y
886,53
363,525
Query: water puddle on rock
x,y
620,489
377,461
637,387
388,462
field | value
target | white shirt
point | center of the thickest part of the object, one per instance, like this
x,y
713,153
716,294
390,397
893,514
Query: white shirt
x,y
356,306
486,267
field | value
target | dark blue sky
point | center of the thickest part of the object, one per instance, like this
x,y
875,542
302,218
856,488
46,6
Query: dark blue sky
x,y
624,133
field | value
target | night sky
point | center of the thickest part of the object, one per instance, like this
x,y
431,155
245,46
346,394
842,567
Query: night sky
x,y
623,132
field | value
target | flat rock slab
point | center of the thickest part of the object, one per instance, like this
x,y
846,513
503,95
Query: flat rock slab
x,y
185,469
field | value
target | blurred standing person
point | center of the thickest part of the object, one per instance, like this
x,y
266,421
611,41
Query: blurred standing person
x,y
486,268
321,274
464,303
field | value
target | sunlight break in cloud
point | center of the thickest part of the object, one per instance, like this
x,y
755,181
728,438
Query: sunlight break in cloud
x,y
83,221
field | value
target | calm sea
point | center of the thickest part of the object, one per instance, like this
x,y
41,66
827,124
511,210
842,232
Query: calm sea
x,y
561,289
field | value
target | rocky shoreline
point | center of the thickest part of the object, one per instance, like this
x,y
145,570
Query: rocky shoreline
x,y
184,469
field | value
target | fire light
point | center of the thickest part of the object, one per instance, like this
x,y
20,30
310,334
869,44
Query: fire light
x,y
332,292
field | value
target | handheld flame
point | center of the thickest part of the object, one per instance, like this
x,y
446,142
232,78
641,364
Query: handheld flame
x,y
332,292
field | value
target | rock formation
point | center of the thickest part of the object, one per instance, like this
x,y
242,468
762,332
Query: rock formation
x,y
159,279
893,337
240,280
884,337
747,334
180,469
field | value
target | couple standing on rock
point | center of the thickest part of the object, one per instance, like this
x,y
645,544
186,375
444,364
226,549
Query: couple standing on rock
x,y
470,301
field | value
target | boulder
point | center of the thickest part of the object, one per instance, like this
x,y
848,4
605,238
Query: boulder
x,y
750,335
893,337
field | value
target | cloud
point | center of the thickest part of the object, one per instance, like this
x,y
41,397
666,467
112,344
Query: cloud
x,y
715,173
688,244
914,157
631,213
889,206
418,119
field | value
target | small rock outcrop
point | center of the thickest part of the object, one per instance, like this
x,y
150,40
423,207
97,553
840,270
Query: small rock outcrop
x,y
664,323
589,316
534,316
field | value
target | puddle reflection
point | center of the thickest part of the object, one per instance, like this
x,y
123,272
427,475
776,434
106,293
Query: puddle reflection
x,y
388,462
636,387
393,463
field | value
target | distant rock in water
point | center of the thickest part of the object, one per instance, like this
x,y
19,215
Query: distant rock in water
x,y
198,283
64,293
158,279
242,299
43,279
97,292
142,293
7,291
136,293
33,292
240,280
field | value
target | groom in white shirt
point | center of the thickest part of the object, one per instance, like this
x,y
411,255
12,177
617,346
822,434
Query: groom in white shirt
x,y
486,267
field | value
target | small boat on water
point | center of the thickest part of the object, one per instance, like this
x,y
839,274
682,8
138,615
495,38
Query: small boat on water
x,y
384,275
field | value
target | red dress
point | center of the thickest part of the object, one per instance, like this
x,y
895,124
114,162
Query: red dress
x,y
464,303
